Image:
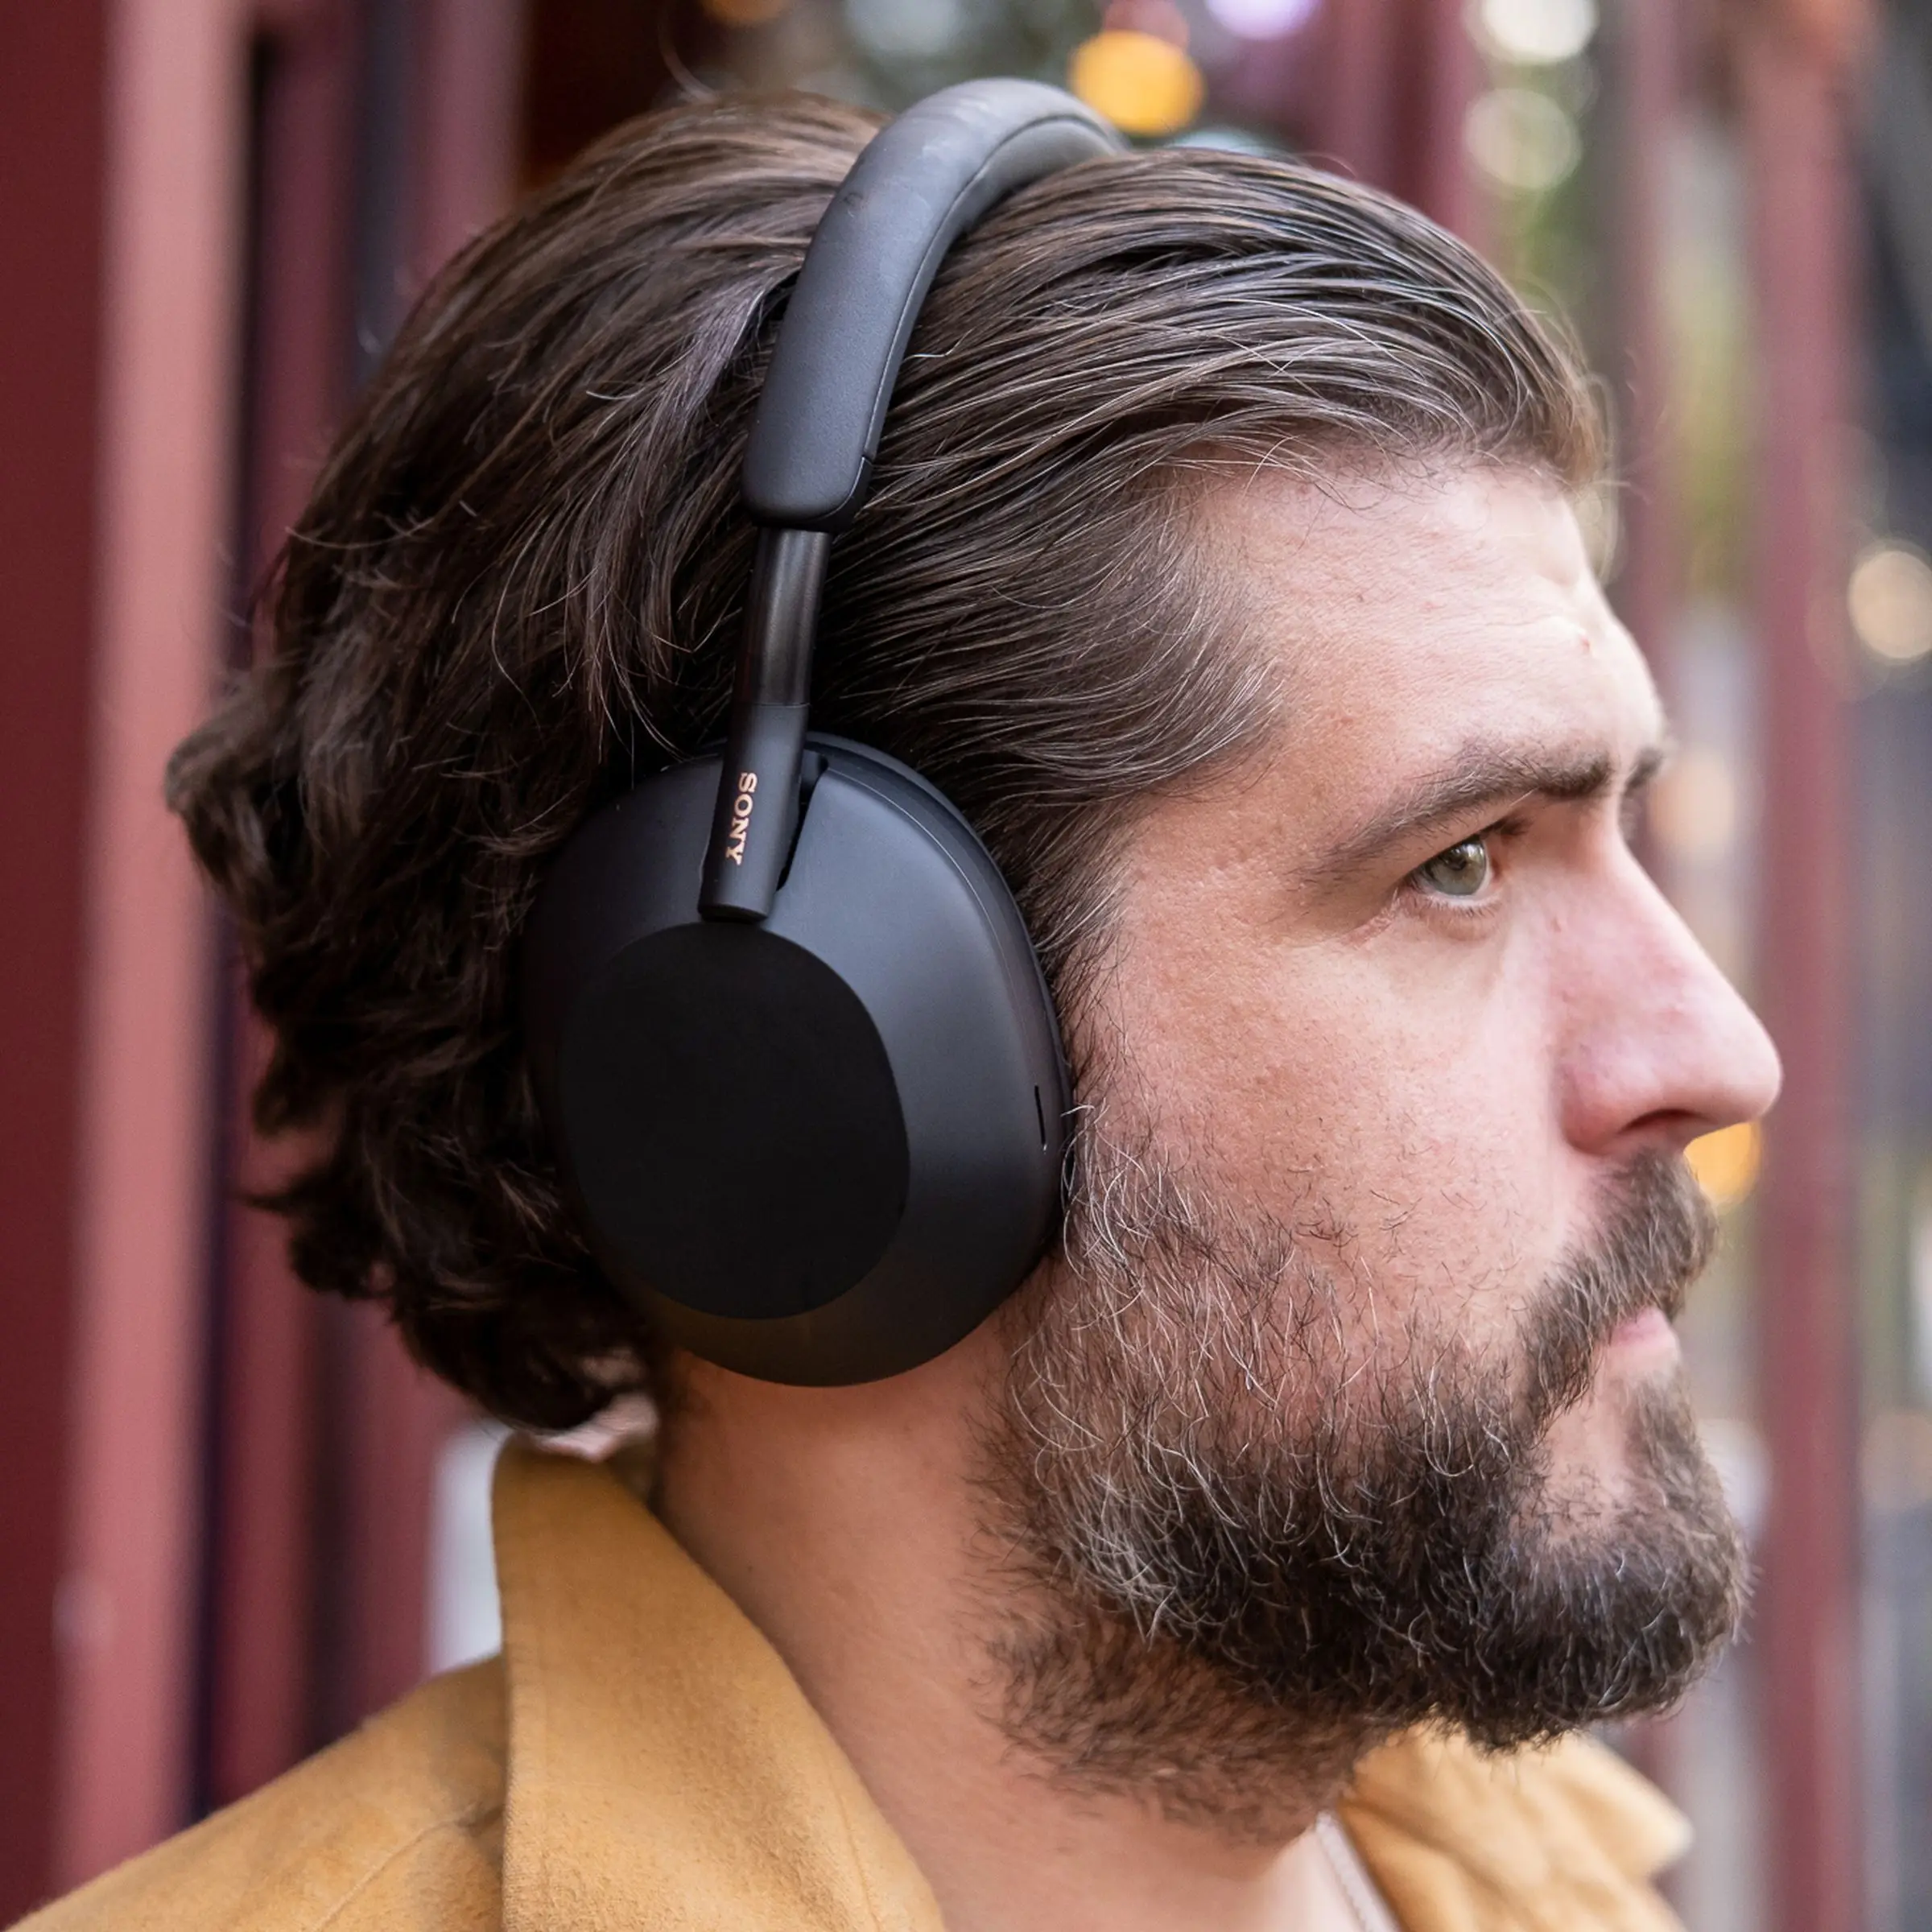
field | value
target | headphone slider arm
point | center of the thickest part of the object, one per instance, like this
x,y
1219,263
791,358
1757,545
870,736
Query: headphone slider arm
x,y
751,831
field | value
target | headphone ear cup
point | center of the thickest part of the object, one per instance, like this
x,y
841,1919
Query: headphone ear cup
x,y
766,1172
821,1148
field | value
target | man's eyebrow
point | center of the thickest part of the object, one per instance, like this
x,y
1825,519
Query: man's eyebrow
x,y
1481,777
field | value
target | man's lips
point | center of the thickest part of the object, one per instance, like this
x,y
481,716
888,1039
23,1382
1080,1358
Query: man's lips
x,y
1646,1332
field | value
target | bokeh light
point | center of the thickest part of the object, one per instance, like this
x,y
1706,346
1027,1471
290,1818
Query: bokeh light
x,y
1536,33
1144,85
1521,140
1726,1162
1890,598
1263,19
1693,807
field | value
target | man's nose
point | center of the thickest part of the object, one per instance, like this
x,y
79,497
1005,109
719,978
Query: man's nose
x,y
1660,1045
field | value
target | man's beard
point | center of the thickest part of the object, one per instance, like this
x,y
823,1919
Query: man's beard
x,y
1254,1548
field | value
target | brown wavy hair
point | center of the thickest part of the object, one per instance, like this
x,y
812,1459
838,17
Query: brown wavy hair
x,y
516,588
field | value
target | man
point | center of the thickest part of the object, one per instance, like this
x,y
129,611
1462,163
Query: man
x,y
1250,1566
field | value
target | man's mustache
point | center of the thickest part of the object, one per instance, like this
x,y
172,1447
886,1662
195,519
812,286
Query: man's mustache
x,y
1657,1238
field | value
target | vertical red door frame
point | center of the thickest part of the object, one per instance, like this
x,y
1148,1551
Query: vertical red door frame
x,y
263,1556
1643,53
129,1593
1400,76
349,1539
1446,75
472,100
1796,100
1643,62
52,136
1356,106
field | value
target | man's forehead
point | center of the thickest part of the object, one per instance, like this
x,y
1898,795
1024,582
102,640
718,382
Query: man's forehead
x,y
1404,519
1410,617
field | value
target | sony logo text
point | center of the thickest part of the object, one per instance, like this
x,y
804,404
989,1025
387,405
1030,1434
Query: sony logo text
x,y
740,816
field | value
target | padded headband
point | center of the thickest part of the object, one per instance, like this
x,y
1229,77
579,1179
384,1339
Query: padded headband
x,y
922,181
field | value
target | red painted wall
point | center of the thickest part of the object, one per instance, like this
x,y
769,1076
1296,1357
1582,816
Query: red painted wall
x,y
51,121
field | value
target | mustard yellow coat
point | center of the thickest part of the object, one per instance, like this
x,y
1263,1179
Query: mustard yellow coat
x,y
640,1760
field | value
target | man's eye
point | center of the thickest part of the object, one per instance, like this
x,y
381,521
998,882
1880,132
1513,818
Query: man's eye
x,y
1460,873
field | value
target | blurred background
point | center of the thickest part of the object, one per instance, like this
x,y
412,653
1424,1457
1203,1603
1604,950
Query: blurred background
x,y
233,1519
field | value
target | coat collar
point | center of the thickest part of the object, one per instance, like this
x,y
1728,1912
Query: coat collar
x,y
666,1770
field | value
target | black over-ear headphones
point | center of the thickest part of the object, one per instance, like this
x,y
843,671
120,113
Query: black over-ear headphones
x,y
786,1025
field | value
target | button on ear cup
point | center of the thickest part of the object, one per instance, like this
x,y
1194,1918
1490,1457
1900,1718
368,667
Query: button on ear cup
x,y
732,1122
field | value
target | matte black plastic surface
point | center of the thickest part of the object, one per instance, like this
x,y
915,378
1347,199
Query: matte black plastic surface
x,y
754,812
922,181
704,1062
654,1035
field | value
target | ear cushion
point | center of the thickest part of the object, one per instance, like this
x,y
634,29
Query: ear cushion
x,y
820,1149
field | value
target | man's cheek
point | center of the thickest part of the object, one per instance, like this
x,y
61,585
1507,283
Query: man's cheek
x,y
1460,1208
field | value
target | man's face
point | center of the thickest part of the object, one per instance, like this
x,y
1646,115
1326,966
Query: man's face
x,y
1391,1062
1394,969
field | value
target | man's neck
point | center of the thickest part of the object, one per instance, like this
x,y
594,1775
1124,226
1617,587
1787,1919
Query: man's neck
x,y
843,1523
